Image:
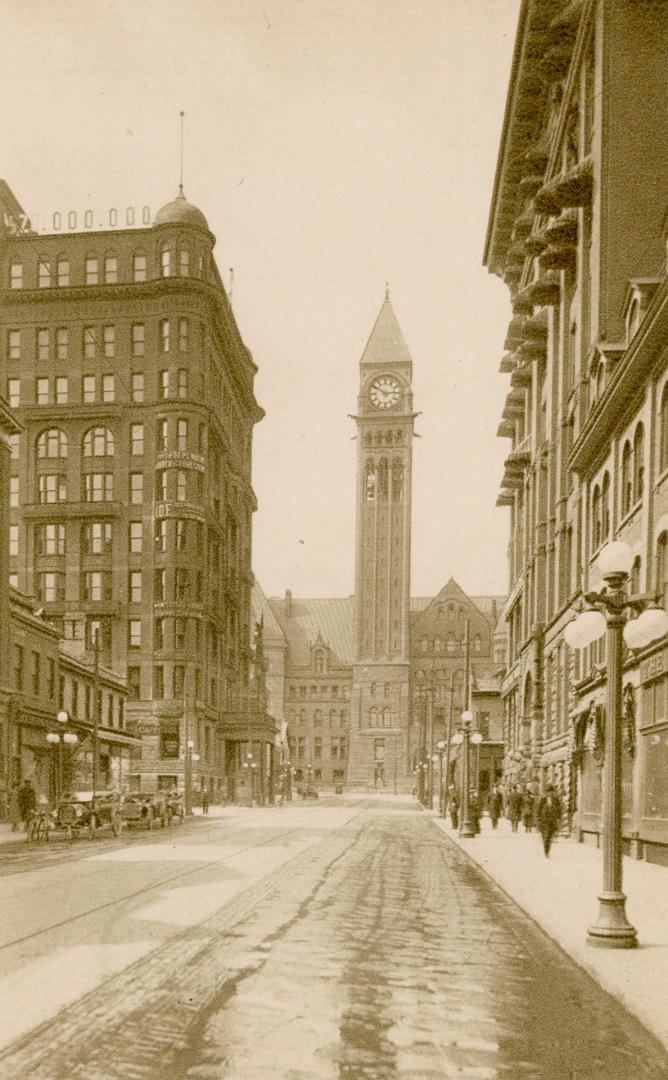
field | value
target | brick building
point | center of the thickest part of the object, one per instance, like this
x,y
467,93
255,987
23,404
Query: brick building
x,y
577,230
131,498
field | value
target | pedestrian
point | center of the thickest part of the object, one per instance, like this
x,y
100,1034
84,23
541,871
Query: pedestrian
x,y
515,807
13,810
474,811
495,806
27,800
205,800
549,816
454,808
527,810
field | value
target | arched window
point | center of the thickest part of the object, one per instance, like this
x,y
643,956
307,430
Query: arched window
x,y
165,262
184,262
52,444
332,716
319,662
98,442
397,480
605,508
302,716
477,644
634,581
627,480
368,439
438,645
596,522
661,569
373,716
424,644
638,463
370,485
387,716
382,478
372,689
664,428
451,644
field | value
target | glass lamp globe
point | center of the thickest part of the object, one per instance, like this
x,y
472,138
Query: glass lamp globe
x,y
441,744
52,738
457,739
62,717
591,625
652,624
195,757
572,635
476,738
615,558
467,717
70,738
633,635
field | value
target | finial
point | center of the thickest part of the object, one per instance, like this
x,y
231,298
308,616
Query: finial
x,y
387,290
181,115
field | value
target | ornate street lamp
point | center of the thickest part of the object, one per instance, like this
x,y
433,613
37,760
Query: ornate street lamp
x,y
57,739
441,748
608,609
461,738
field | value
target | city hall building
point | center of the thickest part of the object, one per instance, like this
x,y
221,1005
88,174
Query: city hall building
x,y
130,477
368,684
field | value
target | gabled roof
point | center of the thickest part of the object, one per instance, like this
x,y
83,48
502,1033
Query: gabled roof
x,y
489,606
386,344
261,609
331,620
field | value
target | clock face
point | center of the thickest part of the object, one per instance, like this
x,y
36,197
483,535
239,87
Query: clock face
x,y
385,392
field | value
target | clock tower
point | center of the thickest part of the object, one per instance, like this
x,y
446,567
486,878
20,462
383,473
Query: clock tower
x,y
378,753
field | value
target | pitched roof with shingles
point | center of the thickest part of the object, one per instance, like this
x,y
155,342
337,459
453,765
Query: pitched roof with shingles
x,y
386,344
261,609
332,619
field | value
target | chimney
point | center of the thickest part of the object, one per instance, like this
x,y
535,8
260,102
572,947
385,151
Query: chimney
x,y
288,602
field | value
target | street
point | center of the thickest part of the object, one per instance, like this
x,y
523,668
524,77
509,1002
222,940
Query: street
x,y
341,939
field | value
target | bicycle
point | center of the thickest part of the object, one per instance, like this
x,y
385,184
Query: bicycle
x,y
38,826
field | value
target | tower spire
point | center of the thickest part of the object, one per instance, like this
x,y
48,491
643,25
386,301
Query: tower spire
x,y
387,291
181,115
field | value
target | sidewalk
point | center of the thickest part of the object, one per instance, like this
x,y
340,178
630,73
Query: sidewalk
x,y
560,894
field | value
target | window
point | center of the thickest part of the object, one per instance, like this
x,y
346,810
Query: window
x,y
638,463
179,680
136,488
162,435
627,481
13,446
50,678
89,391
14,344
180,583
159,584
136,537
62,344
158,681
183,383
108,388
97,538
14,392
179,633
161,535
16,275
184,262
42,392
61,390
134,586
451,644
91,270
98,442
183,335
180,535
52,444
165,262
477,644
164,335
661,569
111,270
97,585
161,485
137,386
134,683
164,383
182,435
158,633
138,339
13,491
596,523
634,578
137,439
134,634
98,487
13,539
181,485
43,272
90,342
52,488
43,345
109,335
139,267
51,587
63,272
605,507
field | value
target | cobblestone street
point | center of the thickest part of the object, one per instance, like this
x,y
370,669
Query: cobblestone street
x,y
376,951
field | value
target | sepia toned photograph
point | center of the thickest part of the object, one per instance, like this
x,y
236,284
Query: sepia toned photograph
x,y
334,540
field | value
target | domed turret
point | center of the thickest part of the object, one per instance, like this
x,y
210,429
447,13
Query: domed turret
x,y
181,212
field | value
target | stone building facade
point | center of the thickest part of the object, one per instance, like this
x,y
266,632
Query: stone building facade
x,y
131,497
577,231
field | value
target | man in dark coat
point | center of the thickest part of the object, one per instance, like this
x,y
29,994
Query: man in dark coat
x,y
515,807
495,806
549,816
27,801
527,810
474,811
454,807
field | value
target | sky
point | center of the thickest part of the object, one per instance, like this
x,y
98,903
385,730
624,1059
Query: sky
x,y
334,146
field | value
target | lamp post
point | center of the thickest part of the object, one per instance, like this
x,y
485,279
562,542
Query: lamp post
x,y
58,739
441,749
188,758
461,738
476,739
608,611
